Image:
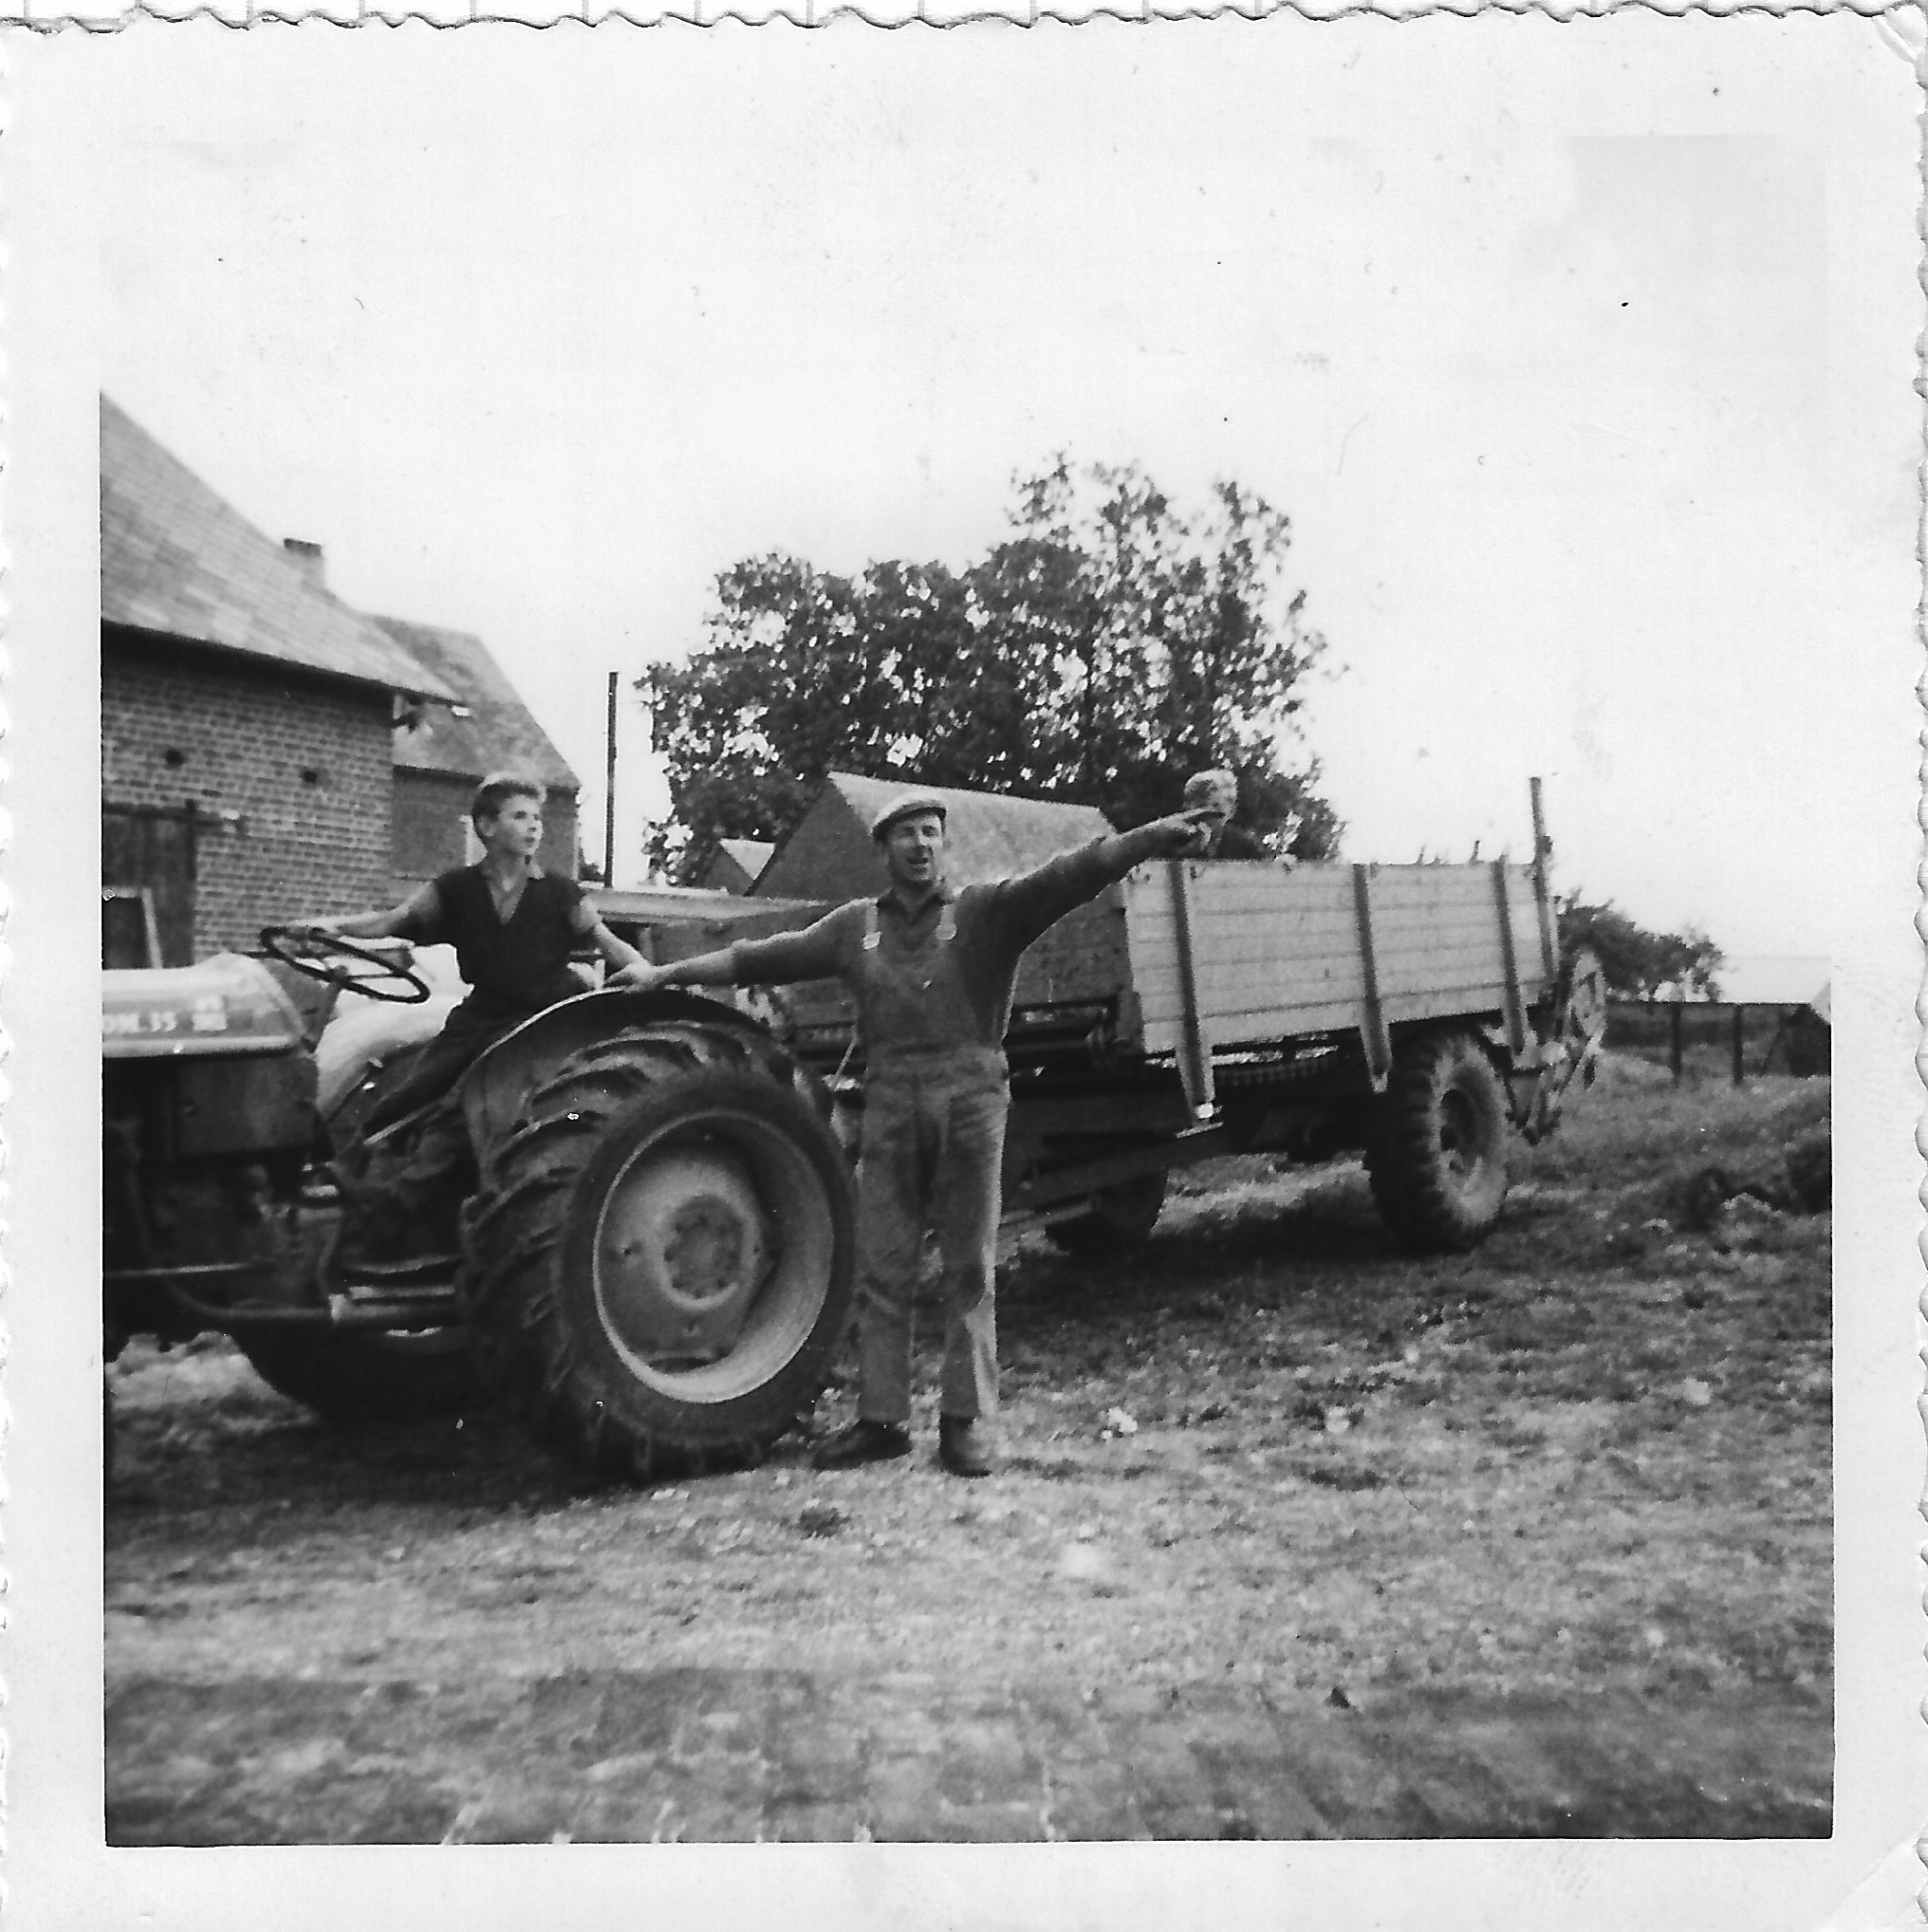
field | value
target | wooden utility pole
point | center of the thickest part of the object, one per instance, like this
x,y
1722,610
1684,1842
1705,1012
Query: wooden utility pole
x,y
609,793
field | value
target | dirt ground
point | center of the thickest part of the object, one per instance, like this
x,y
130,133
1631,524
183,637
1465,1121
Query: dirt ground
x,y
1294,1536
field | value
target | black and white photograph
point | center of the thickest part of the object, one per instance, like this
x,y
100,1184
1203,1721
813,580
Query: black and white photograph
x,y
991,916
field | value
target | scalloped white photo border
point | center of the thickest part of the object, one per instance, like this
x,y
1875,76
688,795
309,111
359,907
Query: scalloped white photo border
x,y
58,1876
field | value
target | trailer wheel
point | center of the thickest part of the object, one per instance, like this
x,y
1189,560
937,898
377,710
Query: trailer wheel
x,y
658,1264
1437,1152
1117,1219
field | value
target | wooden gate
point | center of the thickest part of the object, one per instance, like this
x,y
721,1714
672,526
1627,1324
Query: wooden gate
x,y
149,849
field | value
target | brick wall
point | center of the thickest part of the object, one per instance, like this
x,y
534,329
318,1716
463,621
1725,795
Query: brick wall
x,y
304,762
431,810
430,813
559,835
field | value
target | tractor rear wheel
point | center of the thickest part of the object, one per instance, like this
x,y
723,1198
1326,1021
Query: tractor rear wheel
x,y
658,1264
1436,1157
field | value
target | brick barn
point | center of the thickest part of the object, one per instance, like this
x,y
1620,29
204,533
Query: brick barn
x,y
246,716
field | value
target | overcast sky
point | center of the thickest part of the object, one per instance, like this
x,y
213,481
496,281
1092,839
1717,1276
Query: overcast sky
x,y
1580,359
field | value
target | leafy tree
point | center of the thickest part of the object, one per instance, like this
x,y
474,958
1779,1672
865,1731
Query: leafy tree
x,y
1107,648
1637,963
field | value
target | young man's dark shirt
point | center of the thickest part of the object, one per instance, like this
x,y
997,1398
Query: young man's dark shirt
x,y
518,965
514,966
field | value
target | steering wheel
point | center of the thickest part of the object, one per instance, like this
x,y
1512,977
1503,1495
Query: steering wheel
x,y
318,952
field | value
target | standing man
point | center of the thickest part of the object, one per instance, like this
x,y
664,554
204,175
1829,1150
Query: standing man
x,y
932,970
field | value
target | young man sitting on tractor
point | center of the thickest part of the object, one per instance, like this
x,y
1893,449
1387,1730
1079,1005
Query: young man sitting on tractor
x,y
516,929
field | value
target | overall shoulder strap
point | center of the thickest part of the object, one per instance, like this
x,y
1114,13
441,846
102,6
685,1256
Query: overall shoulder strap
x,y
872,937
947,922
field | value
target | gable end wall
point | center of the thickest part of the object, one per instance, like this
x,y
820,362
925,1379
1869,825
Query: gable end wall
x,y
431,811
244,736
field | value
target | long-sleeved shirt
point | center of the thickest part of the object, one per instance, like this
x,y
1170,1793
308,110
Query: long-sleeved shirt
x,y
914,992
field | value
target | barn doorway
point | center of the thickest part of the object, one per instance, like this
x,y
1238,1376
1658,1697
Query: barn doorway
x,y
147,883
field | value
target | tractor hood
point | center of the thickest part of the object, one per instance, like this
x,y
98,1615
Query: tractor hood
x,y
219,1007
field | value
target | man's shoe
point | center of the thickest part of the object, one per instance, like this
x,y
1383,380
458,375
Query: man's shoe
x,y
862,1441
964,1445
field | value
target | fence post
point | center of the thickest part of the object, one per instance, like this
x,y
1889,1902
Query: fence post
x,y
1740,1045
1674,1044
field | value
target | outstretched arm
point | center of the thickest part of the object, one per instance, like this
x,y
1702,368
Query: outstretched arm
x,y
619,953
700,968
1034,900
816,952
417,916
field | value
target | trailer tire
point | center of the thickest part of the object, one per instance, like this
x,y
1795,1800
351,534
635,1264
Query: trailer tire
x,y
658,1264
1436,1157
1117,1219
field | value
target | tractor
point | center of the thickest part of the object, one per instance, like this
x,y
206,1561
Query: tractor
x,y
652,1261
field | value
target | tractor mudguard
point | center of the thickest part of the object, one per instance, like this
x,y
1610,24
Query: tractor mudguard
x,y
494,1088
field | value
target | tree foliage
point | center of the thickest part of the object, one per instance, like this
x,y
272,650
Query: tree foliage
x,y
1105,648
1638,963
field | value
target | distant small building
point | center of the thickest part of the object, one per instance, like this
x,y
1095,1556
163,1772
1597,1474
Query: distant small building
x,y
245,714
736,864
1796,988
442,752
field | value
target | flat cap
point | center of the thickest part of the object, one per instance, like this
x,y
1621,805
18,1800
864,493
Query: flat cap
x,y
905,805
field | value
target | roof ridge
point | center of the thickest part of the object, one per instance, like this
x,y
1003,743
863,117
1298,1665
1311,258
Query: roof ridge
x,y
179,560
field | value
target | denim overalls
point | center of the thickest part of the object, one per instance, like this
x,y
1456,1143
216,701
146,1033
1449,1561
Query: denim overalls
x,y
934,1114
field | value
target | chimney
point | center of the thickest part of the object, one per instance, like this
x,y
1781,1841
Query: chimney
x,y
307,558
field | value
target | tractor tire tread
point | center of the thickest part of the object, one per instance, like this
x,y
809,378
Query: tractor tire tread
x,y
527,1356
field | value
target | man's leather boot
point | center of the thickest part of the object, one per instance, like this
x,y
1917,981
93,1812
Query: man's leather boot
x,y
964,1445
864,1441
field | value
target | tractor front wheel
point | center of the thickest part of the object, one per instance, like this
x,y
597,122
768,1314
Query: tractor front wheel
x,y
367,1376
659,1262
358,1375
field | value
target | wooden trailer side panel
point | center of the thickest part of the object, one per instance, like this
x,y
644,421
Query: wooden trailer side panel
x,y
1277,954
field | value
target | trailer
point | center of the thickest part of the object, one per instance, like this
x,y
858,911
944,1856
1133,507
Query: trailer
x,y
1200,1008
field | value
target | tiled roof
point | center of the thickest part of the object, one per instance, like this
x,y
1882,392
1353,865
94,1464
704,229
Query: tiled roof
x,y
989,835
176,559
828,853
489,728
752,855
